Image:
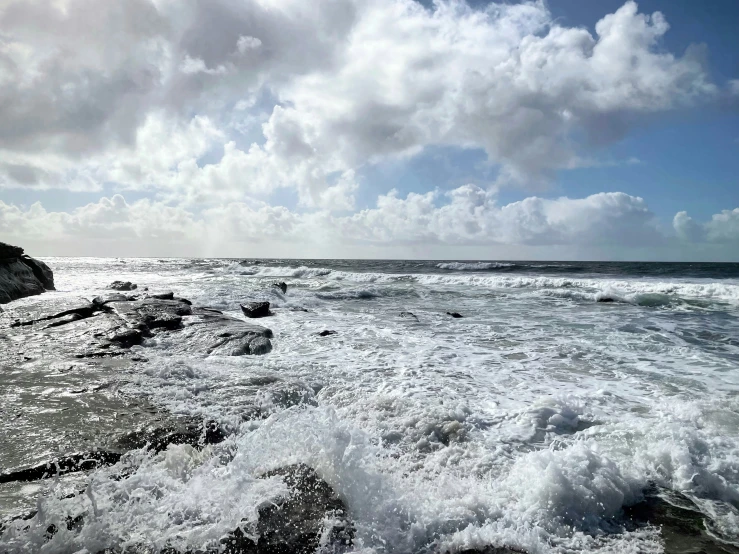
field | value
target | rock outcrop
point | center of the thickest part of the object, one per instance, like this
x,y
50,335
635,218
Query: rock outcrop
x,y
311,515
255,309
21,275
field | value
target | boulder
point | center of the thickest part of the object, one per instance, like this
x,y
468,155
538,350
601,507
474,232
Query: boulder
x,y
255,309
281,285
311,515
326,333
41,271
123,285
21,275
17,281
454,314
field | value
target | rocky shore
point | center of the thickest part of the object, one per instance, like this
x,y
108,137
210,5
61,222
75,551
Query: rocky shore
x,y
21,275
63,359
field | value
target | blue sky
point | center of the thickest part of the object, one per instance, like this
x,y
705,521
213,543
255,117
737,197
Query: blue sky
x,y
376,127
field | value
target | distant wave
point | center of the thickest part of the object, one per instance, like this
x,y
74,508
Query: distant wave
x,y
632,291
474,266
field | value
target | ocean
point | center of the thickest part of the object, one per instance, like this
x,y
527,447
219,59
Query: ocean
x,y
565,394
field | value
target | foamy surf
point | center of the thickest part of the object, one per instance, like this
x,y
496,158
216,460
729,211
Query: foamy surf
x,y
534,422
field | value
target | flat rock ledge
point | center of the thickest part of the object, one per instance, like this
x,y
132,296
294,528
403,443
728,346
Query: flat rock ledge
x,y
21,275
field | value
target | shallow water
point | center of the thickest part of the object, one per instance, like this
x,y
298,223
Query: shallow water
x,y
530,422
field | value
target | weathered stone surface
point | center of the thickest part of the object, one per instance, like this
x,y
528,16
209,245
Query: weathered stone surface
x,y
17,281
312,513
10,251
21,275
255,309
41,271
216,334
123,285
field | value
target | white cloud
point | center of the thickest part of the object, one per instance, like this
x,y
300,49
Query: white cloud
x,y
464,216
722,228
356,81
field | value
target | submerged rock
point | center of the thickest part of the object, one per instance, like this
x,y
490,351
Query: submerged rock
x,y
454,314
255,309
409,315
326,333
282,285
21,275
123,285
311,515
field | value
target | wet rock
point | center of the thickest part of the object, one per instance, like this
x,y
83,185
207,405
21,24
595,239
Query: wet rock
x,y
123,285
17,280
216,334
492,550
157,438
454,314
153,313
281,285
311,515
127,338
409,315
60,466
163,296
684,529
41,271
102,300
255,309
326,333
297,309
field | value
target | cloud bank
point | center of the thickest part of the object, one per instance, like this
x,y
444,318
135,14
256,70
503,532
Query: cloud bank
x,y
213,109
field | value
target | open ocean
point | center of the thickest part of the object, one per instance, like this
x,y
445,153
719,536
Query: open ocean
x,y
532,421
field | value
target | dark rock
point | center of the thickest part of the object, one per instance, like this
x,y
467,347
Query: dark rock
x,y
17,280
60,466
189,431
10,251
216,334
115,297
163,296
64,320
409,315
493,550
454,314
153,313
41,271
128,338
123,285
255,309
311,515
684,529
281,285
297,309
326,333
605,300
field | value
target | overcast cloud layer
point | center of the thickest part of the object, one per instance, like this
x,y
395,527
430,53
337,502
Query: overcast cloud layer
x,y
213,109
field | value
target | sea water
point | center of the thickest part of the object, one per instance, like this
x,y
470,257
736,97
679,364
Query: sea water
x,y
530,422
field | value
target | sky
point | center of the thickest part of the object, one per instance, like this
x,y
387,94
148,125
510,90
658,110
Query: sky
x,y
444,129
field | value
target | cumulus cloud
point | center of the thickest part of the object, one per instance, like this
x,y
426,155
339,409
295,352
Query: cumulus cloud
x,y
464,216
86,85
722,227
